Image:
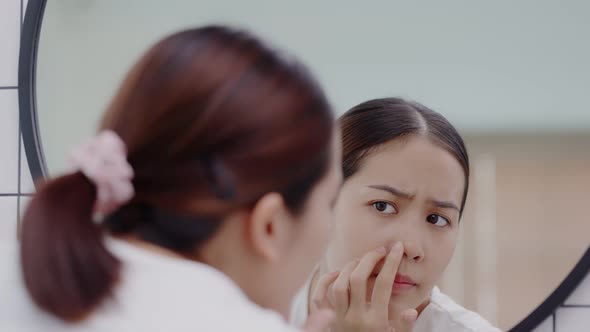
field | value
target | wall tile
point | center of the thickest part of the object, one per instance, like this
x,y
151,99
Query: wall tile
x,y
546,326
7,219
581,296
9,41
8,141
572,320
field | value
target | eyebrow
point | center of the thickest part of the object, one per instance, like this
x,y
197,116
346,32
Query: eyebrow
x,y
444,205
393,191
400,193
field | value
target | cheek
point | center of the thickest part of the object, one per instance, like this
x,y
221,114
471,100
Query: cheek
x,y
308,248
317,235
439,254
354,235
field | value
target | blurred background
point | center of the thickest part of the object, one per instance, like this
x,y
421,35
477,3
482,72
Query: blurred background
x,y
513,77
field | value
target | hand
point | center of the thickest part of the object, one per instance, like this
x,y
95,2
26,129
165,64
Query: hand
x,y
319,321
349,290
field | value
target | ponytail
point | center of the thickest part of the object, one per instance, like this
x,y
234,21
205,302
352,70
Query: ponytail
x,y
66,267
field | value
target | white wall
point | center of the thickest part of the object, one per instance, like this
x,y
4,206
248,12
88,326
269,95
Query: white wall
x,y
486,65
16,185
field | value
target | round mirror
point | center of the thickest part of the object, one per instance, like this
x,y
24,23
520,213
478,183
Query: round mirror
x,y
512,78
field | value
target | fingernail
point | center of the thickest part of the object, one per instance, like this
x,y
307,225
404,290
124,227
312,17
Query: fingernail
x,y
381,250
397,246
410,316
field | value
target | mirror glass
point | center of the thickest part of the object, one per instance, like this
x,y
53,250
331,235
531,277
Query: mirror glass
x,y
513,77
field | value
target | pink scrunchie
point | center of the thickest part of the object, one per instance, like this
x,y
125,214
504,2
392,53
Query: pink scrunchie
x,y
103,160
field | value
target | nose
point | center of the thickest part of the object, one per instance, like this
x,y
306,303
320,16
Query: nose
x,y
409,232
409,236
413,251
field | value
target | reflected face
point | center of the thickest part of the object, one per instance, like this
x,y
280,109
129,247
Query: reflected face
x,y
407,190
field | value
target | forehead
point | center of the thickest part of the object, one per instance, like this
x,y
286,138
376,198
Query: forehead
x,y
414,164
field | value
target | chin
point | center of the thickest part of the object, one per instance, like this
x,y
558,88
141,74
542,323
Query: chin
x,y
399,303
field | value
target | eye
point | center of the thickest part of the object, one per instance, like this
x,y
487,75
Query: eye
x,y
437,220
384,207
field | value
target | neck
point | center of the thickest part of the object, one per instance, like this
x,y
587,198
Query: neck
x,y
228,252
137,242
253,278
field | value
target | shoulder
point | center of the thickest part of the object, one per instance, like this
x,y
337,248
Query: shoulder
x,y
165,294
445,314
153,294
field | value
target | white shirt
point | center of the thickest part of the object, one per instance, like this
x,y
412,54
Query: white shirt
x,y
442,314
156,293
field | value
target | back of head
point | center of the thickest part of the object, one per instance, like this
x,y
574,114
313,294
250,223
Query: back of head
x,y
212,119
372,123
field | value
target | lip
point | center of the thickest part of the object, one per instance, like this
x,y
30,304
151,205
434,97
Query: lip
x,y
399,278
402,284
402,279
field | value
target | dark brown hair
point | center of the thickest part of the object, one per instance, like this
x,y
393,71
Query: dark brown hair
x,y
378,121
212,119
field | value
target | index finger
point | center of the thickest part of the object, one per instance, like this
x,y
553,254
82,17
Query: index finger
x,y
386,278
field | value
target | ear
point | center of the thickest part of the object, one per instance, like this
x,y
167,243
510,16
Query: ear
x,y
268,227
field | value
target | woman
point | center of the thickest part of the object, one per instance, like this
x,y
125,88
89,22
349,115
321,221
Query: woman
x,y
201,205
406,174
